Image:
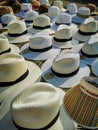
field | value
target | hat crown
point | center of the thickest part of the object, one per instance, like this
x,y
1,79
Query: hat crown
x,y
7,18
89,26
36,106
10,65
72,8
26,6
44,2
41,20
63,32
58,3
84,11
53,10
89,85
4,44
16,27
40,41
30,15
66,62
63,18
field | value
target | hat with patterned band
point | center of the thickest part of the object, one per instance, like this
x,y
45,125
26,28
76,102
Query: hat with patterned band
x,y
17,32
65,70
89,52
38,107
87,32
82,105
82,16
40,48
94,67
6,47
41,24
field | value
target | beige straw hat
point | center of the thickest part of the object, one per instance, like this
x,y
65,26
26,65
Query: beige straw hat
x,y
39,106
81,103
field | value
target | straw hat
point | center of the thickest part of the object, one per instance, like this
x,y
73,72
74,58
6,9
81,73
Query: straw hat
x,y
59,4
65,70
6,47
81,103
44,2
92,8
82,16
64,18
6,19
17,32
43,9
63,37
26,7
94,67
71,8
87,32
12,75
39,48
30,109
35,4
6,10
41,24
29,16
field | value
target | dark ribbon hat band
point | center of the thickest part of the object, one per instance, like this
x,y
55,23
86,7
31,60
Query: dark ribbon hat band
x,y
29,21
62,23
86,33
8,50
22,77
40,50
44,128
65,75
89,56
16,35
62,40
41,28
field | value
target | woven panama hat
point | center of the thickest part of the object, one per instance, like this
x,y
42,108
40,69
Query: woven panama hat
x,y
94,67
40,48
29,16
92,8
16,72
6,19
59,4
44,2
6,47
82,105
17,32
89,52
87,32
65,70
41,24
72,9
26,7
30,109
65,18
63,37
82,16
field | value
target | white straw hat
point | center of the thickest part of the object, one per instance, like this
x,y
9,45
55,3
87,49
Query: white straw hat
x,y
6,19
15,71
63,37
29,16
64,18
17,32
94,67
6,47
82,16
46,2
40,48
65,70
71,8
87,32
59,4
41,24
26,7
81,103
39,106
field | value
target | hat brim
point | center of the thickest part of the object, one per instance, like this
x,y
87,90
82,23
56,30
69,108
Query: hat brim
x,y
81,108
20,14
30,55
63,122
66,82
15,40
33,76
14,48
